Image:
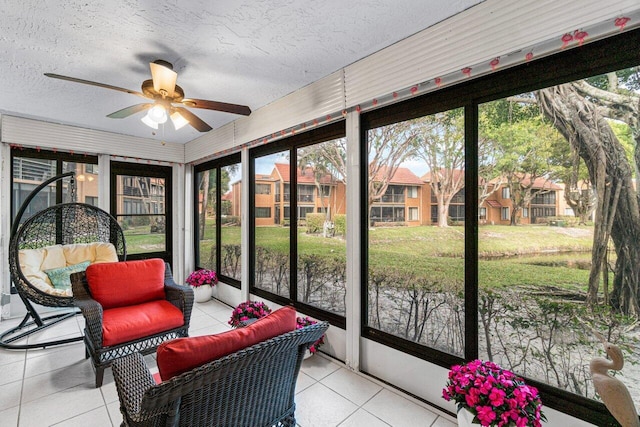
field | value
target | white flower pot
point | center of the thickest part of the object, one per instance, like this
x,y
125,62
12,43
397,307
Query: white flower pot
x,y
465,418
202,293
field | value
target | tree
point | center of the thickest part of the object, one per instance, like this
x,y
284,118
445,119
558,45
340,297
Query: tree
x,y
204,191
580,111
440,144
207,188
524,148
570,169
389,146
327,163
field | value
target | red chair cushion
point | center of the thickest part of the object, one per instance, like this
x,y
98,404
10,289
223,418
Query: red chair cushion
x,y
124,324
183,354
121,284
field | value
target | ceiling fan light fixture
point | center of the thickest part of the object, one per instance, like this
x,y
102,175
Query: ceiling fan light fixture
x,y
178,120
158,114
147,121
164,78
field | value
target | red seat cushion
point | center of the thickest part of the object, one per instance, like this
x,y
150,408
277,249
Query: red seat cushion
x,y
121,284
123,324
183,354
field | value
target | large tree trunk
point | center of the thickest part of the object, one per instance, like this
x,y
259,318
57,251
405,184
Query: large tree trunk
x,y
617,214
443,213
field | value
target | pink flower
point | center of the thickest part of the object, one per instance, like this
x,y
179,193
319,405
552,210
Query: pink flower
x,y
248,310
496,397
473,398
486,415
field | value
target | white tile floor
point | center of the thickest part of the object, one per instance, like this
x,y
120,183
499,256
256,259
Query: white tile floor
x,y
55,387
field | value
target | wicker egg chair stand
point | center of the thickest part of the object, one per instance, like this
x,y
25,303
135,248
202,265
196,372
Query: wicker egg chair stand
x,y
65,223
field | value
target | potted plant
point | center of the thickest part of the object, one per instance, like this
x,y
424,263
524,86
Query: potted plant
x,y
492,396
202,281
301,322
247,312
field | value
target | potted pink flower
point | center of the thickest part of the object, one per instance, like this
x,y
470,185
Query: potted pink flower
x,y
247,312
492,396
202,281
301,322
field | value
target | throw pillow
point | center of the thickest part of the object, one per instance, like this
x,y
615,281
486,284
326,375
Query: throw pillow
x,y
183,354
59,277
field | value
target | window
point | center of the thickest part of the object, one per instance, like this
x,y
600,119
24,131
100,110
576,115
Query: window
x,y
393,193
91,200
456,213
525,213
522,312
306,193
263,188
91,168
291,265
303,211
414,294
263,212
218,188
271,270
140,211
482,214
30,168
505,213
325,190
544,198
413,214
506,194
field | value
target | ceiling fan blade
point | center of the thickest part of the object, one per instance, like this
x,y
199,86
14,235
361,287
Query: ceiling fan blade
x,y
164,78
126,112
194,120
89,82
218,106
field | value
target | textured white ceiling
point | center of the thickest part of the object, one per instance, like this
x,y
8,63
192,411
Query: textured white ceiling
x,y
247,52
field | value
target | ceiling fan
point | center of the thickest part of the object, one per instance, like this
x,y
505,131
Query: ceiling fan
x,y
168,99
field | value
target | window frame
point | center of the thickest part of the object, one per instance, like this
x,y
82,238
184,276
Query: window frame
x,y
505,213
506,193
595,58
268,211
150,171
216,164
318,135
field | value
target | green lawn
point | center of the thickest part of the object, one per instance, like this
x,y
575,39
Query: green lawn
x,y
521,255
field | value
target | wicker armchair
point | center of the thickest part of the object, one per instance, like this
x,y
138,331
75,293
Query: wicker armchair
x,y
102,355
253,387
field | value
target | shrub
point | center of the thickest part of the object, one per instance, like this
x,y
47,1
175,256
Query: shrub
x,y
315,221
340,223
230,220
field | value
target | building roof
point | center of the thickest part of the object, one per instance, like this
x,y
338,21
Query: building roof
x,y
457,174
401,176
227,196
304,177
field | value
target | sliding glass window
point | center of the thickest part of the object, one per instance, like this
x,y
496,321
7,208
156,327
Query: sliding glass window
x,y
299,222
503,222
218,192
415,235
